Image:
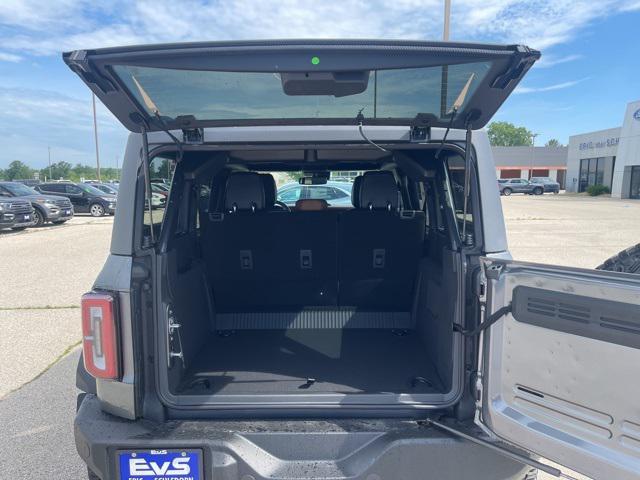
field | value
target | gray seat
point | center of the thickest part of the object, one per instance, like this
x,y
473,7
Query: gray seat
x,y
379,247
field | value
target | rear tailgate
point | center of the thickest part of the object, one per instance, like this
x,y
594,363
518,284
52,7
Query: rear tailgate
x,y
296,82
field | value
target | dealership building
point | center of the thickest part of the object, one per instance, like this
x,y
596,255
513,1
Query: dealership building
x,y
608,157
527,162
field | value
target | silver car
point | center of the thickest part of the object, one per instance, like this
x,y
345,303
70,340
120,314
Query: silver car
x,y
336,194
395,338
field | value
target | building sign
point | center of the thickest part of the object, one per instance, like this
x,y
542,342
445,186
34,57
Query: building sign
x,y
607,142
636,114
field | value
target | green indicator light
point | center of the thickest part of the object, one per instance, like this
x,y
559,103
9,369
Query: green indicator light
x,y
315,60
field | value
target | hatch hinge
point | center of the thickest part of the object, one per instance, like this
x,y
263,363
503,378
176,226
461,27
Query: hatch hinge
x,y
193,136
174,339
520,64
419,133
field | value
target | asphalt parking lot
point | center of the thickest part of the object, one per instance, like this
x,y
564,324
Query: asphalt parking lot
x,y
45,271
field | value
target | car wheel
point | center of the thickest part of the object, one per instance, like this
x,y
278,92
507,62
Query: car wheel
x,y
627,261
38,218
96,210
18,229
506,192
538,191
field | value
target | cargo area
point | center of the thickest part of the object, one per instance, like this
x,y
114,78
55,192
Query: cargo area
x,y
313,302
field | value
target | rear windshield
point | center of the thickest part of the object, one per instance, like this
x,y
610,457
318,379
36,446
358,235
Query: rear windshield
x,y
215,95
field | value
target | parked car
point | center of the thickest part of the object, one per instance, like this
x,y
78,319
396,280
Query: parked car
x,y
15,213
519,185
547,183
46,208
336,194
84,198
392,339
160,189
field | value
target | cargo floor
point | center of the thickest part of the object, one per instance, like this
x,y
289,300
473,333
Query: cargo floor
x,y
312,361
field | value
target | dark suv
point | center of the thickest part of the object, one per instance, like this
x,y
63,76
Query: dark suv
x,y
85,198
46,208
16,214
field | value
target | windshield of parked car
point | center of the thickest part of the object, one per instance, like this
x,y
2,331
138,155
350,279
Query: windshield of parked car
x,y
19,189
106,189
91,190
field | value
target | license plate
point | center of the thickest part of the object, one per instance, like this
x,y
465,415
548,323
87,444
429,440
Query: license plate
x,y
27,218
67,212
160,465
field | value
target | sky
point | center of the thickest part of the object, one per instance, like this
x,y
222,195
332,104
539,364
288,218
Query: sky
x,y
589,69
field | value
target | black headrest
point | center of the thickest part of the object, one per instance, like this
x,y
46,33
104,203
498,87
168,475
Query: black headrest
x,y
378,191
355,191
269,184
244,192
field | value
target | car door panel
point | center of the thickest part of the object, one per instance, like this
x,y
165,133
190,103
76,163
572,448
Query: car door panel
x,y
561,372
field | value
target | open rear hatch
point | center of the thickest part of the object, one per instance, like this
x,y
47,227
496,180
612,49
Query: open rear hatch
x,y
297,82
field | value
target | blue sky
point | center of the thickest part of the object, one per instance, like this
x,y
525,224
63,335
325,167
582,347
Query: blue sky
x,y
588,73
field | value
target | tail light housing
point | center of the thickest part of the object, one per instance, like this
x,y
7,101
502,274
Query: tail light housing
x,y
100,342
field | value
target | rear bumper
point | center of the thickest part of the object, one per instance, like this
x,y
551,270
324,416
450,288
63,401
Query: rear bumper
x,y
354,449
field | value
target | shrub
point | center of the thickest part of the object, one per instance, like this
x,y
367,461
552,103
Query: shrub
x,y
595,190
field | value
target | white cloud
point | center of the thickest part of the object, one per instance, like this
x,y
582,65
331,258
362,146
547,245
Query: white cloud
x,y
551,60
549,88
42,27
9,57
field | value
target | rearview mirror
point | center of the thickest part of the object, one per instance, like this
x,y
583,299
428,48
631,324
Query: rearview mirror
x,y
337,84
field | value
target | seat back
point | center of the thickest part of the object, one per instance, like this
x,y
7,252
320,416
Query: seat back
x,y
379,247
238,245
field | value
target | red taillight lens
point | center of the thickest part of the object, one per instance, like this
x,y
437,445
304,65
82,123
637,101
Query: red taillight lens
x,y
100,335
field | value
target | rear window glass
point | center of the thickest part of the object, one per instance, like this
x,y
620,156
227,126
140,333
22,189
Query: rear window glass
x,y
214,95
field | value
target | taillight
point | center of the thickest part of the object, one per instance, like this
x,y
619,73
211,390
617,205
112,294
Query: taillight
x,y
100,335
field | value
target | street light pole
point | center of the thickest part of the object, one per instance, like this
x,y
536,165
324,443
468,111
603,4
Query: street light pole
x,y
95,134
533,152
447,18
445,69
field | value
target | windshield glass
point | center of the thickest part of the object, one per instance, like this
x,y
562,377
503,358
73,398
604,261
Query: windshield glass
x,y
91,190
19,189
216,95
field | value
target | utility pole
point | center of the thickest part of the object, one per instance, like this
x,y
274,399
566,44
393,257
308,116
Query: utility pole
x,y
50,176
95,134
445,69
447,19
533,153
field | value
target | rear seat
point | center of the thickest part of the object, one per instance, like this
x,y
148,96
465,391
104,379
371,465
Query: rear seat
x,y
365,259
238,241
379,246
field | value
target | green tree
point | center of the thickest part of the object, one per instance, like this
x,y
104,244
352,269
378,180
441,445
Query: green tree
x,y
505,134
553,142
59,170
2,174
18,170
